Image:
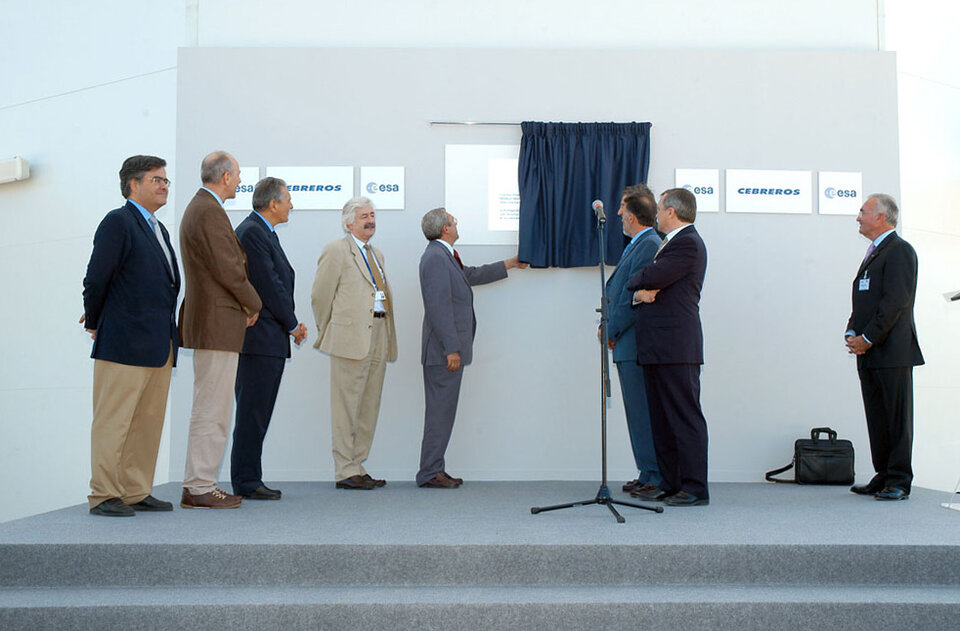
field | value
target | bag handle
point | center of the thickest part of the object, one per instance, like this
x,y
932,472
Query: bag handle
x,y
769,474
816,431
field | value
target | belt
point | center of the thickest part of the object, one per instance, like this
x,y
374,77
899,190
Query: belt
x,y
379,314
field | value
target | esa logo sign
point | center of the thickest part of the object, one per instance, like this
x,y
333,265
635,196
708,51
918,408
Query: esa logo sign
x,y
373,188
833,193
699,190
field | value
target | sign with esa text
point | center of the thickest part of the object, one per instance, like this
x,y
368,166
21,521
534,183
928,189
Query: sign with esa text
x,y
249,176
383,186
751,191
316,188
841,192
704,184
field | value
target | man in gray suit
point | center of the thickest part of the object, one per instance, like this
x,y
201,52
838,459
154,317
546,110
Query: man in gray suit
x,y
449,325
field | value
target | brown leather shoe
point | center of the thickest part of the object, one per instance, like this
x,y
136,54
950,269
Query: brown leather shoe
x,y
377,483
356,482
631,485
457,481
644,489
217,498
440,481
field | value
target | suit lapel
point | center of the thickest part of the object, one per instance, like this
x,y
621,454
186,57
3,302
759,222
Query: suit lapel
x,y
883,244
358,259
152,238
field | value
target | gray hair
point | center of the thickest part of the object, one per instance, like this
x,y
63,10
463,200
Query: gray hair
x,y
683,202
269,189
888,206
215,166
350,210
433,222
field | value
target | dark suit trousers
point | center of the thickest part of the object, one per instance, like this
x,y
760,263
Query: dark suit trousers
x,y
888,403
638,421
679,428
442,393
258,381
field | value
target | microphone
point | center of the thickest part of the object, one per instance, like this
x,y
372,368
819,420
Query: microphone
x,y
598,211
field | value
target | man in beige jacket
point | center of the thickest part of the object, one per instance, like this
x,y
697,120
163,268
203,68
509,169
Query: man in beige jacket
x,y
219,304
353,306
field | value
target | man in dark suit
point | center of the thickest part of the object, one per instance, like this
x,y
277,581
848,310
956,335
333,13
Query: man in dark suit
x,y
266,345
638,209
449,325
219,304
670,348
129,301
882,334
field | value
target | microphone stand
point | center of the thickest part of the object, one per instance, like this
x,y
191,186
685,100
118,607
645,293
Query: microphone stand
x,y
603,496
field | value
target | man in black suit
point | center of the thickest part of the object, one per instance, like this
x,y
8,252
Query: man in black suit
x,y
266,345
670,348
882,334
129,301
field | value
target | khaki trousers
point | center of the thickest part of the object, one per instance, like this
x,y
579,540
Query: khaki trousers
x,y
355,389
128,407
215,373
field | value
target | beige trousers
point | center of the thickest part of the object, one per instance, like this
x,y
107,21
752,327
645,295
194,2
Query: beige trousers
x,y
355,388
128,407
214,376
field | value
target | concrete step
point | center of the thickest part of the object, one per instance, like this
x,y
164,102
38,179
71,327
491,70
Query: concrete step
x,y
427,607
96,565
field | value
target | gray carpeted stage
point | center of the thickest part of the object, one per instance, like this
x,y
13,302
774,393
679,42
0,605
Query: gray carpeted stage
x,y
761,556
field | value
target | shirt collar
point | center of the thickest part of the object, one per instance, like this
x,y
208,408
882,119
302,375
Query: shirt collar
x,y
215,196
674,232
883,236
360,244
446,245
143,211
269,225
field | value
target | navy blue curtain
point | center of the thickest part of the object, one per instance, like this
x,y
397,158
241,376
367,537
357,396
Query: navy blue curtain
x,y
563,168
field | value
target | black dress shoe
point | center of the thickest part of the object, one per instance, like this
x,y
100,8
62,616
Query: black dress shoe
x,y
150,503
262,493
355,482
631,485
870,488
376,483
113,507
892,493
684,499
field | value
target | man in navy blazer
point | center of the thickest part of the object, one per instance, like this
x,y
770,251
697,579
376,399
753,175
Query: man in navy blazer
x,y
670,348
882,334
266,345
129,301
446,342
638,210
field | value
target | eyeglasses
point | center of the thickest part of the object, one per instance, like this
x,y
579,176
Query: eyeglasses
x,y
156,179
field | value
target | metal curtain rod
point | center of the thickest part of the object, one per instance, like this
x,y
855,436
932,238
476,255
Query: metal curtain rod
x,y
474,123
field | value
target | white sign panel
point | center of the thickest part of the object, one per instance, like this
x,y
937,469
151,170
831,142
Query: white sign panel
x,y
249,176
841,192
503,195
384,187
316,188
482,192
751,191
704,184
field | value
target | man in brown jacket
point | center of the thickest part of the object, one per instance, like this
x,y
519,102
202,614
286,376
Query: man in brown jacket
x,y
219,304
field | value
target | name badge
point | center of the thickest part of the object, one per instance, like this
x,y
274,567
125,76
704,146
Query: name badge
x,y
382,295
864,284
